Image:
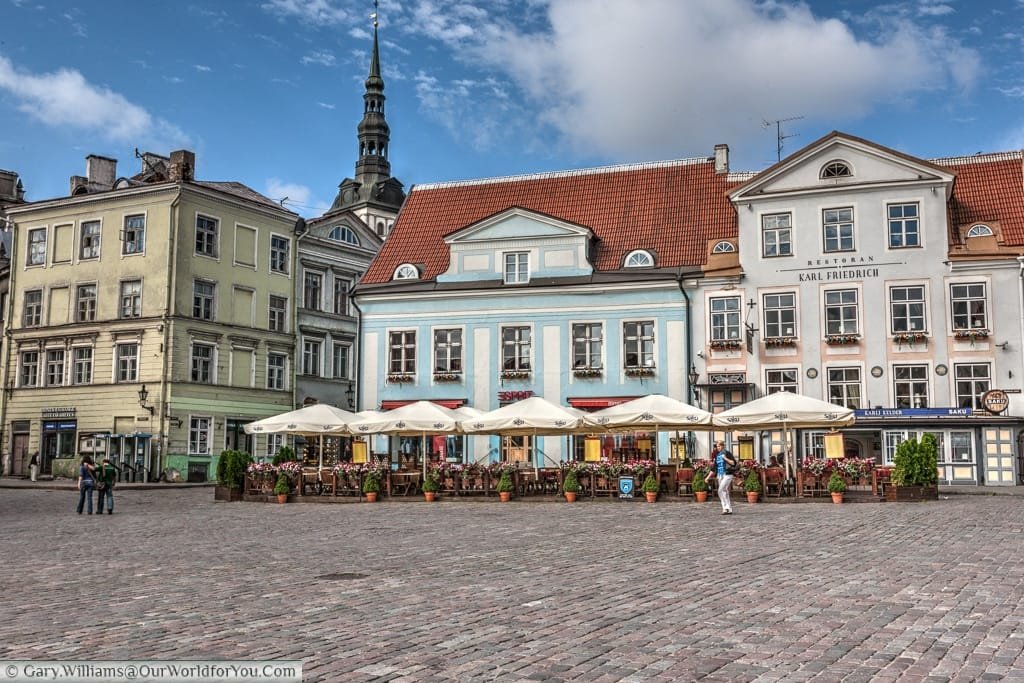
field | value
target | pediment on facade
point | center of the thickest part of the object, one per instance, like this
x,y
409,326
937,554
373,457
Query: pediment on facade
x,y
332,225
517,224
860,164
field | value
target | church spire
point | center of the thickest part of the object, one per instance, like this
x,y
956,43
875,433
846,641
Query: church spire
x,y
374,133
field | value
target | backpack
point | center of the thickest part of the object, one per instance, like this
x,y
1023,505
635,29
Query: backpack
x,y
731,468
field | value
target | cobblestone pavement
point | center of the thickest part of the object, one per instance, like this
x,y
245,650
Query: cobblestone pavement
x,y
481,591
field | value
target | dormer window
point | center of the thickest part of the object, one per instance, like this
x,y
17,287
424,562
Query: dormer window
x,y
723,247
517,268
980,231
344,234
639,259
836,169
406,271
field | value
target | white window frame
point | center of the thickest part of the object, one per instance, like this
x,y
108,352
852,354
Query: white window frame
x,y
859,383
980,230
405,359
308,344
34,260
273,370
90,312
639,258
907,303
406,271
913,398
195,362
59,363
967,300
210,299
136,300
280,255
452,350
138,232
81,366
36,317
519,362
775,327
24,380
723,247
724,319
646,344
514,263
132,367
774,381
342,285
318,276
343,233
98,222
212,239
974,381
834,169
270,313
782,232
589,360
843,306
274,443
198,426
902,221
346,371
832,219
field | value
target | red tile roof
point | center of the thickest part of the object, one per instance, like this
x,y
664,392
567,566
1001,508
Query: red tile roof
x,y
671,208
988,188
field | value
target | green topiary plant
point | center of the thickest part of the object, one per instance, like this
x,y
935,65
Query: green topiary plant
x,y
371,481
650,484
282,487
700,483
571,483
686,463
505,483
752,482
284,454
231,466
431,483
836,484
916,462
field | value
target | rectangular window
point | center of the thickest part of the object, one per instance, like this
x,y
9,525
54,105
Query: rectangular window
x,y
341,296
54,367
206,236
779,315
277,371
274,444
725,318
131,299
311,286
972,380
402,352
517,268
587,345
89,240
969,307
838,224
33,308
279,248
36,247
516,346
339,360
844,387
199,435
29,374
127,362
638,344
448,350
202,363
82,359
311,357
202,299
133,238
781,380
777,235
841,312
907,308
278,313
85,306
904,226
910,386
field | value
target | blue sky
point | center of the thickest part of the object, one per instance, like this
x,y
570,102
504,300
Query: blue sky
x,y
268,92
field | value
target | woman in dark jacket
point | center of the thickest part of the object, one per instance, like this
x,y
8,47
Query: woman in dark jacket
x,y
86,482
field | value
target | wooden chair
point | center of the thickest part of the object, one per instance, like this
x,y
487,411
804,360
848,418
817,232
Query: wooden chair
x,y
810,485
328,483
881,480
684,482
774,482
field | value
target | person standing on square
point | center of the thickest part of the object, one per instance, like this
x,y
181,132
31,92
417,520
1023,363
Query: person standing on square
x,y
86,482
106,477
725,466
33,466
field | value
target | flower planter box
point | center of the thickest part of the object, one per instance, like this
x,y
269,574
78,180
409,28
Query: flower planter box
x,y
447,377
227,494
725,344
639,372
841,339
970,335
587,372
910,494
775,342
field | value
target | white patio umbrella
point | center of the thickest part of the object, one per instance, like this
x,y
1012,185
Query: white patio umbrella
x,y
413,419
314,420
786,411
652,412
532,416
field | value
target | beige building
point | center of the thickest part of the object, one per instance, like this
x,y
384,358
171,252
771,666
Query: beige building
x,y
151,317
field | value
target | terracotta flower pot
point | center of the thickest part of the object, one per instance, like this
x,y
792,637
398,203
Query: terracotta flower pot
x,y
570,496
282,497
700,496
429,496
505,496
752,496
651,496
837,498
371,497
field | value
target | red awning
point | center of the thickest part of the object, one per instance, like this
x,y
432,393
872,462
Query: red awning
x,y
452,403
598,402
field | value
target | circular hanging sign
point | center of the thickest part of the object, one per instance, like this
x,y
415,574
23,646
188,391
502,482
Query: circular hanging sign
x,y
996,401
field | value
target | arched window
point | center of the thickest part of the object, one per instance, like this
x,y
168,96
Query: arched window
x,y
380,228
723,247
343,233
836,169
406,271
639,259
980,230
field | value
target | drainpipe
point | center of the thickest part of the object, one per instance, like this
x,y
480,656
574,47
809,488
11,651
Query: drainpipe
x,y
358,353
168,315
8,320
1020,300
688,307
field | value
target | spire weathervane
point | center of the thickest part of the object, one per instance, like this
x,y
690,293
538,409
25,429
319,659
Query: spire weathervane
x,y
373,16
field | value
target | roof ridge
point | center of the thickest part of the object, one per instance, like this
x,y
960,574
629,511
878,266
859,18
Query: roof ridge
x,y
979,158
615,168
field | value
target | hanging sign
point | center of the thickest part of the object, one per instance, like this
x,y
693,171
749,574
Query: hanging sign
x,y
995,401
834,447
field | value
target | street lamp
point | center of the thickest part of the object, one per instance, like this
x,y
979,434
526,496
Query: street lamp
x,y
693,376
143,395
350,394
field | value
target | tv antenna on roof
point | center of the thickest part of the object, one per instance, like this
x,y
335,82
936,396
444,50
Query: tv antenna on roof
x,y
779,135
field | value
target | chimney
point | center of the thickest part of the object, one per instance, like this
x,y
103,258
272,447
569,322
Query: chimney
x,y
183,166
721,158
11,191
101,172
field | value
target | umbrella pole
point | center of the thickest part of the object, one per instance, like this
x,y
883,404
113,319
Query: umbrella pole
x,y
321,455
423,453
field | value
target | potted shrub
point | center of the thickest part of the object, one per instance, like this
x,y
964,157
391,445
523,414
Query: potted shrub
x,y
231,468
284,454
915,471
650,488
431,485
836,486
505,487
700,485
371,485
752,485
282,488
571,486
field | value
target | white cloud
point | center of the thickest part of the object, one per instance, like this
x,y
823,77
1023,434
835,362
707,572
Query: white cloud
x,y
322,57
174,80
65,99
315,12
1015,91
325,105
934,8
203,68
299,197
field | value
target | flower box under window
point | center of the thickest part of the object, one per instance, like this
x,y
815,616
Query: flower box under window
x,y
840,339
640,372
400,378
971,335
909,337
725,343
779,341
447,376
515,374
587,372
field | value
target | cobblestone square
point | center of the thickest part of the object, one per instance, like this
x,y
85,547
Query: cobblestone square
x,y
525,591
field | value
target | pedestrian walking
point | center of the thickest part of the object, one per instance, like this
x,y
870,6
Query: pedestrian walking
x,y
725,466
86,482
106,477
33,466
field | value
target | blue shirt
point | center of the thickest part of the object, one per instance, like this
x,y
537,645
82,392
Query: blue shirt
x,y
720,462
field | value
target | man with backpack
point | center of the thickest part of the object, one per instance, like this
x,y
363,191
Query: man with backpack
x,y
725,466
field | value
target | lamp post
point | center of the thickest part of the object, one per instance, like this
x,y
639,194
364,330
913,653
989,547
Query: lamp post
x,y
350,394
143,395
693,376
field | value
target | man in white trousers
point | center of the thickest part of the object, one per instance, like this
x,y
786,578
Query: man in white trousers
x,y
724,467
